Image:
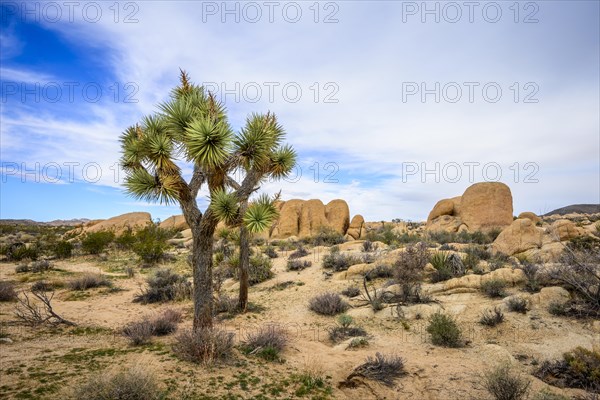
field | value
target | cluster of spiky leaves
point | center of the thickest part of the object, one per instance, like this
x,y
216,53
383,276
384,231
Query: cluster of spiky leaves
x,y
192,126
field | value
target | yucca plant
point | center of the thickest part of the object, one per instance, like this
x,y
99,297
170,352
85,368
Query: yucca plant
x,y
192,127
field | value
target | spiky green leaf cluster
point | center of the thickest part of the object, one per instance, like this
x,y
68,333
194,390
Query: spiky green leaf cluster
x,y
261,214
225,206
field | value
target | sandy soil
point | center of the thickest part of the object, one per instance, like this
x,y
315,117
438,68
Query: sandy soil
x,y
47,362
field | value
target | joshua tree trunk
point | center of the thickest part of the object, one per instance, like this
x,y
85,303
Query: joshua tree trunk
x,y
244,264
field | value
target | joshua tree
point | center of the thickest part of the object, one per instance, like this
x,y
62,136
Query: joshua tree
x,y
193,126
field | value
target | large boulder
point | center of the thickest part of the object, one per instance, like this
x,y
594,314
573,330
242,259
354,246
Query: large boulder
x,y
312,217
119,224
174,222
531,216
289,219
482,207
520,236
338,215
563,229
356,227
486,206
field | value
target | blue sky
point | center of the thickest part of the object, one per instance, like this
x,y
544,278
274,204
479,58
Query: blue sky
x,y
388,101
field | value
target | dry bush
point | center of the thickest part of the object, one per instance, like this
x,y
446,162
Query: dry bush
x,y
39,311
270,252
340,262
494,288
517,304
409,271
165,285
300,252
266,342
225,304
328,304
345,329
89,281
139,332
503,384
351,291
166,322
579,368
133,384
204,346
7,291
40,266
580,272
492,317
297,265
383,368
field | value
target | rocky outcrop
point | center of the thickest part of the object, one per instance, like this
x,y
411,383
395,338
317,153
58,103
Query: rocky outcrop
x,y
356,227
529,215
482,207
118,224
520,236
304,218
175,222
563,229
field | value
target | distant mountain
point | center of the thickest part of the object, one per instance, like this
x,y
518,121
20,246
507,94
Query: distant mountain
x,y
56,222
576,208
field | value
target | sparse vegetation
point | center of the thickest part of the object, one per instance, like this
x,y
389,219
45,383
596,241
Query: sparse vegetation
x,y
204,346
89,281
141,332
384,368
326,236
328,304
409,271
7,291
150,243
446,266
345,329
504,384
165,285
492,317
297,265
517,304
270,252
338,261
494,288
444,330
351,291
300,252
133,384
266,342
579,368
63,249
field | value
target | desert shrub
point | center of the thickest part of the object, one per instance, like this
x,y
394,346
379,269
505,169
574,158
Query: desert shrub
x,y
442,237
139,332
165,285
297,265
584,243
327,236
125,240
531,272
339,261
266,342
382,368
328,304
259,270
444,330
446,266
504,384
492,317
89,281
351,291
547,395
300,252
270,252
558,308
579,368
498,260
129,271
358,343
63,249
19,251
96,242
344,329
409,270
369,246
517,304
7,291
41,286
447,247
40,266
151,242
380,271
225,304
166,322
133,384
204,346
21,269
494,288
471,261
580,272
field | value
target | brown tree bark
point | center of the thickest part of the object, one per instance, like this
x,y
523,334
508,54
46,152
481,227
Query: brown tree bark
x,y
244,265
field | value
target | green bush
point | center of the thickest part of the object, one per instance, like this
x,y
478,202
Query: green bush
x,y
579,368
494,288
126,240
266,342
259,270
150,243
63,249
444,330
446,266
96,242
20,251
